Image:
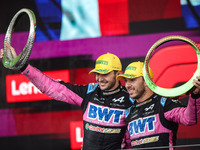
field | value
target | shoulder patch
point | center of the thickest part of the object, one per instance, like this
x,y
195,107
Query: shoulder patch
x,y
131,99
91,87
163,101
127,112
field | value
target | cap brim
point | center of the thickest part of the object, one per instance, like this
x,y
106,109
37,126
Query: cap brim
x,y
100,71
122,76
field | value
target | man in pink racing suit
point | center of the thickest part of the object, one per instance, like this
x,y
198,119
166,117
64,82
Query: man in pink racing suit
x,y
103,103
152,119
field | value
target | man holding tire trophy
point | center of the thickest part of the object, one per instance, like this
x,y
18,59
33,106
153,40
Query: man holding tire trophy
x,y
103,103
153,119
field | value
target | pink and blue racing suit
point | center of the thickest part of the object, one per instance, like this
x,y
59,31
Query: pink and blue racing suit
x,y
103,111
154,122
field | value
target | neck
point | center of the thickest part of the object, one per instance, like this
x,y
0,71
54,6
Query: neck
x,y
114,87
111,91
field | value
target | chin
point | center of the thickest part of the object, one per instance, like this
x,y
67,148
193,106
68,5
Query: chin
x,y
132,96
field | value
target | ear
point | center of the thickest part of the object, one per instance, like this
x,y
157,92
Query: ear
x,y
119,72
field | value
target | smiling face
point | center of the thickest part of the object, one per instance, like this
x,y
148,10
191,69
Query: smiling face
x,y
107,81
136,87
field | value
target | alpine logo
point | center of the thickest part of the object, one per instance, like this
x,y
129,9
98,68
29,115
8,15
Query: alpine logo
x,y
149,108
121,99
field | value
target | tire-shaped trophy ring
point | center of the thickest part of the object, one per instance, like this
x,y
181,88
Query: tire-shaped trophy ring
x,y
8,60
176,92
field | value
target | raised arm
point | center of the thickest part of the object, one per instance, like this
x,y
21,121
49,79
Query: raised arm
x,y
51,87
190,114
45,84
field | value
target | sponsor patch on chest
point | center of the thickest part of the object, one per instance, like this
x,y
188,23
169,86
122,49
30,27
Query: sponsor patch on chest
x,y
103,115
142,125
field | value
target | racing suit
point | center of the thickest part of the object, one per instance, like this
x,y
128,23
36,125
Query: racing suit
x,y
103,112
154,122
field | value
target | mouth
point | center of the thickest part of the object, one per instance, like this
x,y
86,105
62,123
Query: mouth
x,y
102,83
130,91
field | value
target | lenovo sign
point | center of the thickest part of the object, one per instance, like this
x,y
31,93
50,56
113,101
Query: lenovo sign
x,y
20,89
76,134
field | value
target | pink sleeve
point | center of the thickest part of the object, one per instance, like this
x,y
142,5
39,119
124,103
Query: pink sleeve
x,y
126,142
185,115
51,87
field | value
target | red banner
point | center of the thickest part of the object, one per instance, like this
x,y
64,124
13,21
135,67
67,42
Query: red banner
x,y
20,89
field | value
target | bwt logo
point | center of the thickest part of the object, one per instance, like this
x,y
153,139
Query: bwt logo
x,y
141,124
104,114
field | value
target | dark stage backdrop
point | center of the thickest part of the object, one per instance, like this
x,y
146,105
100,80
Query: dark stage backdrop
x,y
70,35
